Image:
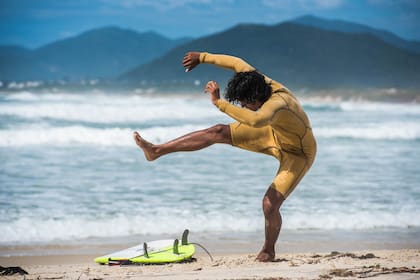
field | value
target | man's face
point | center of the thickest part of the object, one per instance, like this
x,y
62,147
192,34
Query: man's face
x,y
254,106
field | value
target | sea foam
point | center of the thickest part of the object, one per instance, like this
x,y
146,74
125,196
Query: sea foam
x,y
383,131
115,136
82,135
28,230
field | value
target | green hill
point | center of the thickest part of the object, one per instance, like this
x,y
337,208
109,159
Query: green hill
x,y
100,53
296,55
350,27
15,61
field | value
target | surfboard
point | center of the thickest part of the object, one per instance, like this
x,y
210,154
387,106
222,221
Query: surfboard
x,y
157,251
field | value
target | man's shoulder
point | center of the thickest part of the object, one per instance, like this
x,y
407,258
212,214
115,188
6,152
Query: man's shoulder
x,y
285,97
277,99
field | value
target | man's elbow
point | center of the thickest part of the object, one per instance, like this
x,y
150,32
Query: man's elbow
x,y
257,123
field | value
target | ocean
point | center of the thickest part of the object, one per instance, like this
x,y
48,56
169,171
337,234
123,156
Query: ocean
x,y
71,172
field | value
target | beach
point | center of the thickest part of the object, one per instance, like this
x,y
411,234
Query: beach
x,y
317,255
375,264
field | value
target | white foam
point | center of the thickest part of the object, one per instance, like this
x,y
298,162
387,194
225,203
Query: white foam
x,y
45,135
363,106
105,109
385,131
361,219
30,230
22,96
389,108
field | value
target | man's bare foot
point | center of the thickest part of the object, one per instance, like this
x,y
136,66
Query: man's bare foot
x,y
147,147
265,257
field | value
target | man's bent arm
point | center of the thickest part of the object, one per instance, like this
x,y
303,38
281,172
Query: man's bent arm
x,y
226,61
238,65
262,117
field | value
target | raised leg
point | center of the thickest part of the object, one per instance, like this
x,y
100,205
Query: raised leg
x,y
190,142
271,206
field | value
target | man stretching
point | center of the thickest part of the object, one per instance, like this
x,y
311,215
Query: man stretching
x,y
271,121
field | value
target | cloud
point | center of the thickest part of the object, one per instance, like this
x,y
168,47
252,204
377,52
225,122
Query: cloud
x,y
328,4
404,4
303,4
158,5
173,4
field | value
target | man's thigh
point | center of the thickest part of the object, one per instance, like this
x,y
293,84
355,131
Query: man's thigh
x,y
255,139
291,171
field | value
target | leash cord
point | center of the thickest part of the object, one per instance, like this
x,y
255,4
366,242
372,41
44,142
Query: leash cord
x,y
202,247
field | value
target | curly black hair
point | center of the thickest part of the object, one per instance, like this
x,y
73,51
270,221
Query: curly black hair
x,y
247,87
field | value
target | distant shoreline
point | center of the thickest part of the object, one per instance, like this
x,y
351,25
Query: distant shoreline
x,y
395,95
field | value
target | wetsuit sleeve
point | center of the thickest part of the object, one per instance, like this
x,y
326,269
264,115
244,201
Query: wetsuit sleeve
x,y
226,61
262,117
237,64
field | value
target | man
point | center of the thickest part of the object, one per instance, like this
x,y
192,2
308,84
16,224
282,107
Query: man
x,y
271,121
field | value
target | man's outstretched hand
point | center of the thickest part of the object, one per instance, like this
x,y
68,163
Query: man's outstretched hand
x,y
191,60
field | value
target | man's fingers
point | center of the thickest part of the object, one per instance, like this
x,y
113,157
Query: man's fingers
x,y
208,85
211,86
186,60
186,63
208,88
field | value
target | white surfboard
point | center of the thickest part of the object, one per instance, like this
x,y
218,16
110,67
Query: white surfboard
x,y
136,251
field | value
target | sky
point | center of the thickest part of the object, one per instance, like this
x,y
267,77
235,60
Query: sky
x,y
33,23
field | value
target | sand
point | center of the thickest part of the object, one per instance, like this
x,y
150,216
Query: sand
x,y
377,264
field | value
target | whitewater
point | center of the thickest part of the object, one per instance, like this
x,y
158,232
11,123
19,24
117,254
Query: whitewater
x,y
70,170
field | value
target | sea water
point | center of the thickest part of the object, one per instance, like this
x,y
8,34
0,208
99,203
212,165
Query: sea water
x,y
70,170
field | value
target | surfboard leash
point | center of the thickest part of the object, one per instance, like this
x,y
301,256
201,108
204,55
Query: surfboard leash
x,y
202,247
184,241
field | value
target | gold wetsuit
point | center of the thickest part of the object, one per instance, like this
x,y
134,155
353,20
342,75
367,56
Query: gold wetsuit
x,y
280,128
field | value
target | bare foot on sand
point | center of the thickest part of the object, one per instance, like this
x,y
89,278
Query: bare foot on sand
x,y
265,257
147,147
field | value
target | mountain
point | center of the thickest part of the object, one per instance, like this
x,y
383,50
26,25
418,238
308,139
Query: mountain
x,y
104,53
14,60
294,54
349,27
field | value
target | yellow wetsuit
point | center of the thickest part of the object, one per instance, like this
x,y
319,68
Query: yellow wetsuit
x,y
280,128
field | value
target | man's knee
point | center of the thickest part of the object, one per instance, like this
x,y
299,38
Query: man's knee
x,y
272,201
221,133
268,207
